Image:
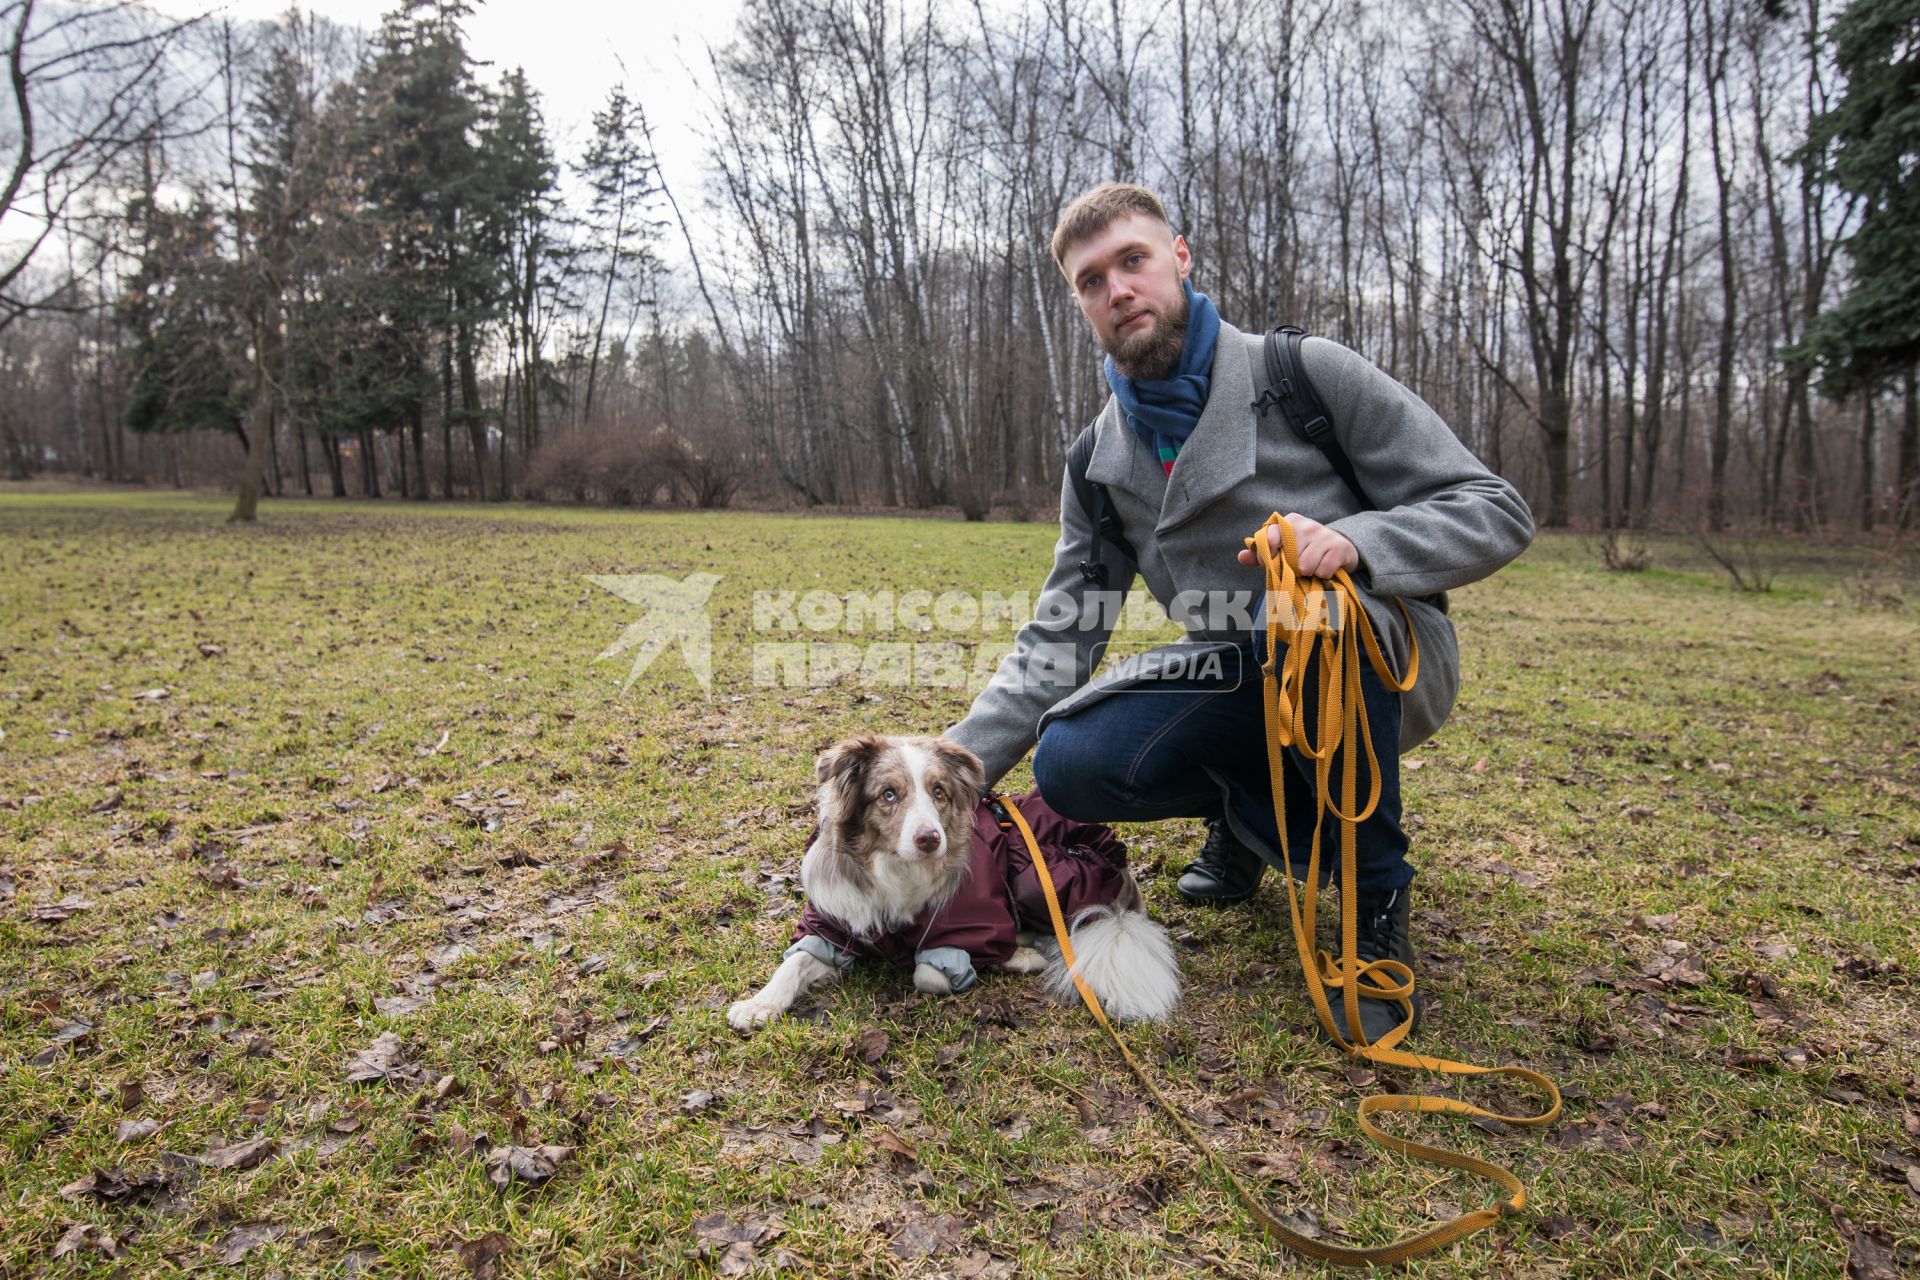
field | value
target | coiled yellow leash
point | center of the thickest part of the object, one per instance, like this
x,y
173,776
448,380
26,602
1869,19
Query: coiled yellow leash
x,y
1299,618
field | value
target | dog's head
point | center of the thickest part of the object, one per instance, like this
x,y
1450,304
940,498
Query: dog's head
x,y
896,829
906,798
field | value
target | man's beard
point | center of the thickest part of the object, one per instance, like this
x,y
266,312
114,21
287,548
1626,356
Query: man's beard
x,y
1153,355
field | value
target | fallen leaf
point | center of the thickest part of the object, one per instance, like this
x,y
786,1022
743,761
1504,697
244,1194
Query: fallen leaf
x,y
66,1033
1868,1259
528,1164
243,1240
888,1140
871,1046
116,1185
383,1060
629,1045
399,1006
358,1262
134,1130
1276,1165
481,1253
84,1235
719,1228
67,906
1556,1226
462,1143
922,1237
240,1155
694,1101
1687,970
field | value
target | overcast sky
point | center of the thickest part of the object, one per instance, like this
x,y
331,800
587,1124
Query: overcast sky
x,y
573,52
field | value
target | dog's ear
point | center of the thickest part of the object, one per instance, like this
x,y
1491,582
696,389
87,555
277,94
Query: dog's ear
x,y
842,773
845,764
963,770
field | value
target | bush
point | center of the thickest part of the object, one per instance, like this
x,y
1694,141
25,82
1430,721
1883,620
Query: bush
x,y
618,467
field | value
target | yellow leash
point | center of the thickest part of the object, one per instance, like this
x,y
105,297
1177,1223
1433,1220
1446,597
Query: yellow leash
x,y
1298,619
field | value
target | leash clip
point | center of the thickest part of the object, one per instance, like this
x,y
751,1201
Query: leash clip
x,y
999,810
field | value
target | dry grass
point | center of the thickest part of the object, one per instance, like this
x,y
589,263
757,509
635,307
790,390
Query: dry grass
x,y
384,789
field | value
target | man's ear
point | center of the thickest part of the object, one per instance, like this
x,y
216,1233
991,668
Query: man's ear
x,y
1183,255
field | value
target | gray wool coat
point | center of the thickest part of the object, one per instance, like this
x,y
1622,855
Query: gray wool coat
x,y
1443,520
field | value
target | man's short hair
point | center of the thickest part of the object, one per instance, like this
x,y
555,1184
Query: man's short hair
x,y
1089,215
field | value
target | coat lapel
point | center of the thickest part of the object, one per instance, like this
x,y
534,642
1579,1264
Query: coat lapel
x,y
1221,451
1120,461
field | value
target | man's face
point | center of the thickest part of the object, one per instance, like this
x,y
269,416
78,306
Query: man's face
x,y
1127,279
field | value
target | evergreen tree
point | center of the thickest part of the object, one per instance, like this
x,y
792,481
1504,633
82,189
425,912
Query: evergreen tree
x,y
621,223
523,206
420,108
1869,145
188,366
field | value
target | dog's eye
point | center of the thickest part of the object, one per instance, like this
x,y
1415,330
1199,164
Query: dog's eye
x,y
888,796
939,792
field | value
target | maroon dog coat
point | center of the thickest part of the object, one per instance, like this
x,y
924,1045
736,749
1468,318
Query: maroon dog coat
x,y
999,897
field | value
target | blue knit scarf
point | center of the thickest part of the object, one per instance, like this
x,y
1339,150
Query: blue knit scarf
x,y
1163,411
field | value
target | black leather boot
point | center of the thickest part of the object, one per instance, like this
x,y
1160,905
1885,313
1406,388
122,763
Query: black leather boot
x,y
1382,933
1226,871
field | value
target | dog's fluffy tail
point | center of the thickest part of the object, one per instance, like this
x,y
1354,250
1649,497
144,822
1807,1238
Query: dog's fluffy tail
x,y
1126,958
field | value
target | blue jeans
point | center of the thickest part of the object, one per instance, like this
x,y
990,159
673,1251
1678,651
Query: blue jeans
x,y
1144,754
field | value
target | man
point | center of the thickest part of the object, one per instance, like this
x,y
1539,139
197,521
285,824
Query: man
x,y
1191,471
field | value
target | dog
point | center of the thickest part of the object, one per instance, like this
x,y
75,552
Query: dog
x,y
910,864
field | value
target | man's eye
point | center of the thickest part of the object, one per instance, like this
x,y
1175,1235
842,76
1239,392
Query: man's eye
x,y
1089,283
1133,259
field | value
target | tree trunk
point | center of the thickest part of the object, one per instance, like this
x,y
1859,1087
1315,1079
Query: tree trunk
x,y
1866,461
471,410
369,466
330,450
1907,498
417,423
446,416
259,418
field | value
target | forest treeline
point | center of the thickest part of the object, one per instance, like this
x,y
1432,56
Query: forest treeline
x,y
1655,262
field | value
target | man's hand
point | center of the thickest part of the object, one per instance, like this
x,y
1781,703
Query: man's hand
x,y
1322,551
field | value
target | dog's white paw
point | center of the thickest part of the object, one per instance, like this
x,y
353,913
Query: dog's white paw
x,y
746,1015
930,980
1025,960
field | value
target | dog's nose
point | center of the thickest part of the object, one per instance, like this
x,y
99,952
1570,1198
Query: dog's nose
x,y
927,839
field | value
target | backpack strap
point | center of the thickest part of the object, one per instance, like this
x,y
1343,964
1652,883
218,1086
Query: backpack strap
x,y
1289,388
1094,501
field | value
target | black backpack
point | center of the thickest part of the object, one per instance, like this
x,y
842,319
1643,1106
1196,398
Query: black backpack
x,y
1288,388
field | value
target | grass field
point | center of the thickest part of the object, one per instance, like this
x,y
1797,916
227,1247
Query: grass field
x,y
345,795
